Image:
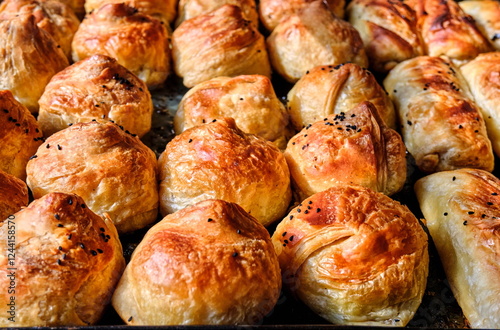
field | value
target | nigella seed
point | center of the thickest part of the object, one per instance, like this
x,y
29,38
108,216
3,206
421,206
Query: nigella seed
x,y
284,234
57,216
60,225
210,220
83,206
465,223
445,213
460,126
92,252
69,236
59,147
102,229
100,251
235,254
291,217
285,241
59,262
409,123
130,319
238,231
453,179
60,248
64,256
291,238
483,216
318,210
70,201
298,210
494,194
489,203
190,140
306,212
82,246
33,157
470,212
47,146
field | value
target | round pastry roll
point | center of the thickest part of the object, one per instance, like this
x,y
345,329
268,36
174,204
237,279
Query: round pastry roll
x,y
218,160
31,57
93,88
354,256
249,99
67,263
271,12
225,44
113,171
164,10
53,16
210,263
486,14
352,147
137,41
326,90
20,135
312,37
192,8
13,195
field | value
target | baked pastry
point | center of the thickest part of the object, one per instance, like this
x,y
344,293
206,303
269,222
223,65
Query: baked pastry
x,y
13,195
218,160
330,89
389,31
447,30
208,264
441,126
483,77
462,212
93,88
313,37
249,99
67,263
486,14
225,44
352,147
31,57
78,7
164,10
55,17
273,11
114,172
138,42
20,135
192,8
354,256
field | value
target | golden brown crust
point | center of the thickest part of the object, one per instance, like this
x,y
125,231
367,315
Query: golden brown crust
x,y
447,30
353,147
441,126
78,7
462,211
272,12
220,43
114,172
483,77
326,90
93,88
249,99
210,263
20,135
218,160
354,256
31,59
55,17
13,195
192,8
313,37
486,13
67,263
163,10
389,31
139,42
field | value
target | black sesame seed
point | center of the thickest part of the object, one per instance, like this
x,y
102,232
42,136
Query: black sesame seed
x,y
5,110
445,213
130,319
60,225
453,179
33,157
470,212
465,223
483,216
47,146
409,123
102,229
210,220
489,203
285,241
69,236
460,126
494,194
64,256
82,246
59,147
291,217
57,216
190,140
100,251
60,248
298,210
318,210
92,252
238,231
235,254
306,211
291,238
83,206
284,234
59,262
284,245
70,201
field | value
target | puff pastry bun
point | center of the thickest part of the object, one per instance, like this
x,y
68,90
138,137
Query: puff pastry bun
x,y
218,160
389,31
31,57
352,147
93,88
68,261
114,172
249,99
210,263
192,8
53,16
137,41
462,212
313,37
225,44
13,195
163,10
272,12
486,13
354,256
20,135
441,126
326,90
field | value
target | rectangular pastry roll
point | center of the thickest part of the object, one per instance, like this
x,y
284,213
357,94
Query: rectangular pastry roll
x,y
462,209
441,126
486,13
483,76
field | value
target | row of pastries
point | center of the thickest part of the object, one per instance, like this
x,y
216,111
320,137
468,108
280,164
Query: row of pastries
x,y
76,84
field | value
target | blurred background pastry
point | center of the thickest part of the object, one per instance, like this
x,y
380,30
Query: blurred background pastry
x,y
486,14
97,87
208,264
13,195
67,263
114,172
